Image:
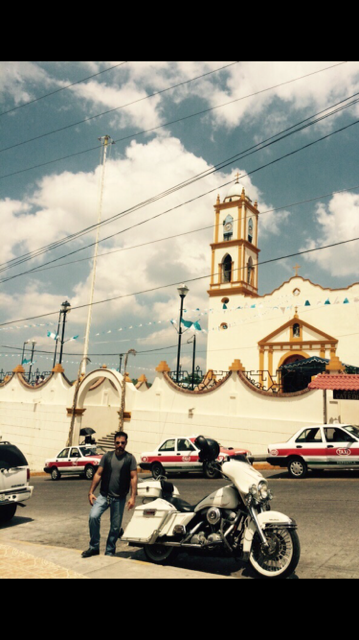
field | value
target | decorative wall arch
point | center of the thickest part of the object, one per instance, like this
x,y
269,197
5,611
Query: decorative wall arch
x,y
113,376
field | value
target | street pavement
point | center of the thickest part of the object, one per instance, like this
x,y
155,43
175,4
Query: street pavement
x,y
23,560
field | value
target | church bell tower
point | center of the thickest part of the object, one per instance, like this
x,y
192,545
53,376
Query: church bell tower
x,y
234,247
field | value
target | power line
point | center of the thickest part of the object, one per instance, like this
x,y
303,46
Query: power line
x,y
192,115
42,268
129,104
295,128
173,284
47,95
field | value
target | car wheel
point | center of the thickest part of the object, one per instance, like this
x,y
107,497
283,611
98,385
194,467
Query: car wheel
x,y
297,468
157,470
89,472
55,474
7,512
210,471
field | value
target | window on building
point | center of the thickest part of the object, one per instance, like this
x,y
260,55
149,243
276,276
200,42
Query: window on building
x,y
250,230
250,271
227,268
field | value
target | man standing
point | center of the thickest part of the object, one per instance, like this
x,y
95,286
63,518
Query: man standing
x,y
117,473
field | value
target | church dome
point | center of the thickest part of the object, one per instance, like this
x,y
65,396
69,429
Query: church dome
x,y
234,192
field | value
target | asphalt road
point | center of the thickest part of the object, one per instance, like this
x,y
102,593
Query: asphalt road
x,y
325,508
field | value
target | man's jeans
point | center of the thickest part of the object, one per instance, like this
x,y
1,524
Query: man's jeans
x,y
117,506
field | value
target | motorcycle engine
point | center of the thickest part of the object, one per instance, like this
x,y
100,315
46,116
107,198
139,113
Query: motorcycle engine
x,y
213,516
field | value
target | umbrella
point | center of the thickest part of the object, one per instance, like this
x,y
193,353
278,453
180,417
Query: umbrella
x,y
87,431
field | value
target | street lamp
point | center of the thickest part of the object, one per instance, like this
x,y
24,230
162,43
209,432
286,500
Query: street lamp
x,y
65,309
32,355
182,291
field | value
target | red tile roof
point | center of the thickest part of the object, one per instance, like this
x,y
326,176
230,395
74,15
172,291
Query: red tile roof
x,y
345,381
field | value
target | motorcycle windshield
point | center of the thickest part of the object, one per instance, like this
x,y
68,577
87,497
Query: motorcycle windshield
x,y
241,474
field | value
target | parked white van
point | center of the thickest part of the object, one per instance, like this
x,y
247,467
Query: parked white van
x,y
14,480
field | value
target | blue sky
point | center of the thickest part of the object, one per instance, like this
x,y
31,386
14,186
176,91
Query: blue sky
x,y
50,175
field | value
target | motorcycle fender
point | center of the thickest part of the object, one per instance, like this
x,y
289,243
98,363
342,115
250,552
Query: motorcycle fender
x,y
265,519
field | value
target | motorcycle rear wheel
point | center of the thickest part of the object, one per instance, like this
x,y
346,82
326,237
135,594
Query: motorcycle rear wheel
x,y
282,556
158,553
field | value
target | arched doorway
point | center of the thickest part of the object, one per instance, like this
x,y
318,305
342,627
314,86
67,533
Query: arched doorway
x,y
293,376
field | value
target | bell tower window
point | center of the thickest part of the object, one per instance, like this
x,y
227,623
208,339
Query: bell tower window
x,y
250,271
250,230
227,268
228,228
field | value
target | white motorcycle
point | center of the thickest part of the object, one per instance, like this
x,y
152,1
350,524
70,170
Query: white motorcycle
x,y
235,520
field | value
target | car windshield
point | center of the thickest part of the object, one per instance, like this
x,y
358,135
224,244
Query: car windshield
x,y
352,429
91,451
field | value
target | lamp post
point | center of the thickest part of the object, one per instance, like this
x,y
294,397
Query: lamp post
x,y
182,290
23,350
32,355
193,356
123,394
65,309
57,337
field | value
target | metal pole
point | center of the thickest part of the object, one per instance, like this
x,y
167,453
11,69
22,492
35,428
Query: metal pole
x,y
57,339
32,355
193,359
64,312
123,393
106,141
179,339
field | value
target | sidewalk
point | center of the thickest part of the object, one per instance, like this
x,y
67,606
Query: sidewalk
x,y
23,560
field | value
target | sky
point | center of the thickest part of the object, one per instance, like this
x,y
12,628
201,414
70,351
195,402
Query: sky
x,y
181,132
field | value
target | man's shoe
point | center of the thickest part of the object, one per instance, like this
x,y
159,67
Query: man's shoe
x,y
90,552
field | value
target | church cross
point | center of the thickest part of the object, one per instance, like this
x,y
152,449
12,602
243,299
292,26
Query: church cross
x,y
297,266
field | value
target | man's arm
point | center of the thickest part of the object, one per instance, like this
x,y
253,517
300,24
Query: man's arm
x,y
132,500
95,482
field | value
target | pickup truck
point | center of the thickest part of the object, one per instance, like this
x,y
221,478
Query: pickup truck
x,y
14,480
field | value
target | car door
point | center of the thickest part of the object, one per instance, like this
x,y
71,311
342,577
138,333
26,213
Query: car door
x,y
77,463
342,449
187,455
166,454
310,445
62,461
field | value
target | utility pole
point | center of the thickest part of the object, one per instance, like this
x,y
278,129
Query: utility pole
x,y
105,141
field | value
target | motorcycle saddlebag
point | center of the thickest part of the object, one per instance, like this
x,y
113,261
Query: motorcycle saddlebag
x,y
148,520
154,489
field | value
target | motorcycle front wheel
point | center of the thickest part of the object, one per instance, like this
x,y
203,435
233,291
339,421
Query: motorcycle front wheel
x,y
158,553
282,555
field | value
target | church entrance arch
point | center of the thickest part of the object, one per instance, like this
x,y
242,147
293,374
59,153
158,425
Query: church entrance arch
x,y
294,379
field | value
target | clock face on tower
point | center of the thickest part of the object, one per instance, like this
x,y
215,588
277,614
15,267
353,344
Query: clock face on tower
x,y
228,226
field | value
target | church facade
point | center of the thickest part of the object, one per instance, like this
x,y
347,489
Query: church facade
x,y
297,321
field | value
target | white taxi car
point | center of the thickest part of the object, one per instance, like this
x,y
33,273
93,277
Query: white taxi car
x,y
327,446
83,459
182,455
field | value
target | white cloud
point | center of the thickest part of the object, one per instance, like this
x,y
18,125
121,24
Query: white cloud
x,y
337,221
65,203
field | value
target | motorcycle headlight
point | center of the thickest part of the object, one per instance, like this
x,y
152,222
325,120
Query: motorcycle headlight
x,y
263,490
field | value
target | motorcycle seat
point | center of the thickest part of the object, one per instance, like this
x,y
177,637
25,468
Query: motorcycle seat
x,y
178,503
181,505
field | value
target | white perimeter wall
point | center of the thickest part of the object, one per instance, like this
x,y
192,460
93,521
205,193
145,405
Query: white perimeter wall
x,y
36,420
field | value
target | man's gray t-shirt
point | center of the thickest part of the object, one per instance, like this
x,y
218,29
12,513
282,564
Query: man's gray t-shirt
x,y
116,466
